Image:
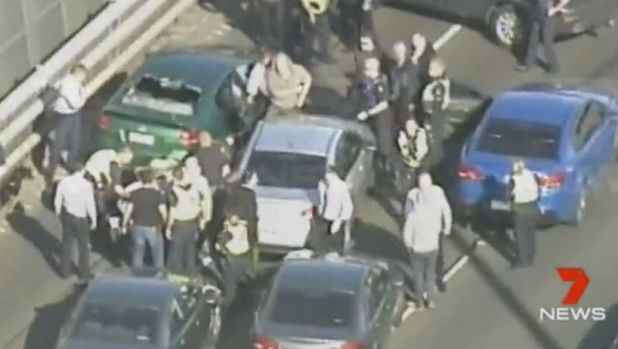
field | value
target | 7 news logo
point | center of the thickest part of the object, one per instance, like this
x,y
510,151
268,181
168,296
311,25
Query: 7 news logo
x,y
570,311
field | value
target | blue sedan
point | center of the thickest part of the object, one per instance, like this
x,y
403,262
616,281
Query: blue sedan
x,y
567,136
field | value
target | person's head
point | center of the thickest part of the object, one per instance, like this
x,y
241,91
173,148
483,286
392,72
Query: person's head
x,y
79,72
266,56
400,52
372,68
192,165
146,176
437,68
411,126
331,175
205,139
250,179
283,65
366,43
77,167
518,166
424,181
125,156
419,42
178,174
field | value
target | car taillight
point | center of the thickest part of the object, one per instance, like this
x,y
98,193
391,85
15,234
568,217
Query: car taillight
x,y
468,173
552,181
260,342
103,122
190,138
352,345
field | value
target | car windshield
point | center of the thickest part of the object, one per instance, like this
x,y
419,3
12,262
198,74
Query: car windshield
x,y
313,307
287,170
520,138
163,95
117,324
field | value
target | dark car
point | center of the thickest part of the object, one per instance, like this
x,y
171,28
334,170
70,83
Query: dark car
x,y
330,302
144,312
161,109
505,18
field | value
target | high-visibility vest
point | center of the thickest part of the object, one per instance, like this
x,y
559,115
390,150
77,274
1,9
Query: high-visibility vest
x,y
316,7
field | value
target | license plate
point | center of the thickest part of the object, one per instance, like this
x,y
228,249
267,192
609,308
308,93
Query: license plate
x,y
141,138
500,205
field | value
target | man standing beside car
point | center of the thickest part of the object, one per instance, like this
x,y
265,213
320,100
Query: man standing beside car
x,y
524,194
540,29
335,210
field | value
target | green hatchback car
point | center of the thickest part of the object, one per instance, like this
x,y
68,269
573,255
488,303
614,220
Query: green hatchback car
x,y
160,111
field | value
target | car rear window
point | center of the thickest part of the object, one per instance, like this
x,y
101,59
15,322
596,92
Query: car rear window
x,y
120,324
287,170
163,95
312,307
520,138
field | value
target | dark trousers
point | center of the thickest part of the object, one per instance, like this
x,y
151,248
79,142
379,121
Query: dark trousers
x,y
272,21
440,282
542,35
322,240
236,270
525,218
317,38
424,266
383,126
75,229
182,256
67,136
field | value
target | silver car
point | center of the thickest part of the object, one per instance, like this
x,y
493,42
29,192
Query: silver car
x,y
330,302
290,156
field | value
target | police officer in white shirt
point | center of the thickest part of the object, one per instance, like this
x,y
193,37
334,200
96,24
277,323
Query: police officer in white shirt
x,y
524,193
74,204
71,98
335,208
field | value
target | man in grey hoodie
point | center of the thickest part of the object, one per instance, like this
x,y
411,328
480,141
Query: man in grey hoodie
x,y
428,215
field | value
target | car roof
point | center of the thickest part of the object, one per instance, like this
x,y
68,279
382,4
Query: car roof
x,y
305,134
340,275
131,290
549,107
200,69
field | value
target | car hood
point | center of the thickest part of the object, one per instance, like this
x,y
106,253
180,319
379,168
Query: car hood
x,y
81,344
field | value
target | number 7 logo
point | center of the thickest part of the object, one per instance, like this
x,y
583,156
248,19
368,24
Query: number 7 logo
x,y
579,280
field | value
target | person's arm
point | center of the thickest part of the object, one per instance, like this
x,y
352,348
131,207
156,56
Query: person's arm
x,y
306,81
347,209
422,148
59,198
408,230
91,207
126,219
395,84
115,173
256,80
163,212
447,214
321,196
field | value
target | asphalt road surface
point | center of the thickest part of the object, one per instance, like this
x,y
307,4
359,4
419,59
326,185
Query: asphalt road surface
x,y
487,304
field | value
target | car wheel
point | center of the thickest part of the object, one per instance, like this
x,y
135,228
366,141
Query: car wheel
x,y
507,25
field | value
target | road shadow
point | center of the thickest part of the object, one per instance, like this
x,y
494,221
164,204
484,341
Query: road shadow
x,y
602,334
374,241
513,303
40,237
48,321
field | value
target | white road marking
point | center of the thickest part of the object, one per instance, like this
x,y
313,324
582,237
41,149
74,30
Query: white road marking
x,y
448,35
456,267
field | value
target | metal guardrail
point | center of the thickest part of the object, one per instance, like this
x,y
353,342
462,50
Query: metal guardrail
x,y
120,32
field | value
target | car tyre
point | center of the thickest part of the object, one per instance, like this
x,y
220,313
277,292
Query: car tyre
x,y
507,25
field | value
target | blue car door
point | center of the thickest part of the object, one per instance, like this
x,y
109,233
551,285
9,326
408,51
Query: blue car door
x,y
588,143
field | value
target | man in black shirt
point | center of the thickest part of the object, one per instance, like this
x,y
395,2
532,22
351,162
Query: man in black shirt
x,y
214,159
422,52
404,84
146,213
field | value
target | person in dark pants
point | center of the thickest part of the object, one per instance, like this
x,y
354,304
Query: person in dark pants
x,y
146,214
413,149
183,224
317,20
272,22
541,33
335,212
239,200
374,95
366,17
214,159
67,109
366,50
74,203
404,83
524,192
